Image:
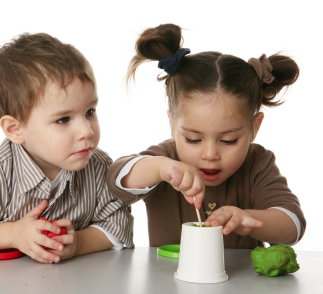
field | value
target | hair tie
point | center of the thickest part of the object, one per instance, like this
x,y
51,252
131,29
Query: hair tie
x,y
263,68
171,63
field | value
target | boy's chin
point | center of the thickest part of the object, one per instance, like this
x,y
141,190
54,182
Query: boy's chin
x,y
77,167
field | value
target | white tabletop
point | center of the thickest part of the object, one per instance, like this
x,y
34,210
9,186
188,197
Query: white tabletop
x,y
141,271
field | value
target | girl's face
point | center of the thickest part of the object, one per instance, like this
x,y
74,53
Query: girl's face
x,y
212,132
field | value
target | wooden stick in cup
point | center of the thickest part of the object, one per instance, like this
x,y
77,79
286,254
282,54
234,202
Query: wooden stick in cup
x,y
198,213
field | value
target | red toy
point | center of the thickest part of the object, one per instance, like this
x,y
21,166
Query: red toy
x,y
50,234
10,253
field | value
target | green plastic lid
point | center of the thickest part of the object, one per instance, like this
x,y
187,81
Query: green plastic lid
x,y
169,250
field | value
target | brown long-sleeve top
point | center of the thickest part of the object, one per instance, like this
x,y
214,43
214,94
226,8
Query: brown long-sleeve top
x,y
257,184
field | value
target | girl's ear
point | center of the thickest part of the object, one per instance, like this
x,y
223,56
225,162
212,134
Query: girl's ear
x,y
257,123
12,129
170,121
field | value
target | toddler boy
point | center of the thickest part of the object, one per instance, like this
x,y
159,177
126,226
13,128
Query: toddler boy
x,y
50,165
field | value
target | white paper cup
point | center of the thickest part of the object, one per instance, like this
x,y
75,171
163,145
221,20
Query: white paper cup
x,y
201,258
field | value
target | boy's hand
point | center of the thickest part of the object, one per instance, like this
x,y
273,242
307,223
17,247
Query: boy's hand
x,y
27,236
233,219
69,240
185,178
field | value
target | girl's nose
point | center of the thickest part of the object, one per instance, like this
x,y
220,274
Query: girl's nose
x,y
210,152
85,130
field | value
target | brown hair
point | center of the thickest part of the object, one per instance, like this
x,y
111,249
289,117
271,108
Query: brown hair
x,y
208,72
28,63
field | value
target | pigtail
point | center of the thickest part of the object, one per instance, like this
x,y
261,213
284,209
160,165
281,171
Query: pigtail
x,y
155,44
285,72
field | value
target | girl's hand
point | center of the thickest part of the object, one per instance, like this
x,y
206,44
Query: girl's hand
x,y
69,240
27,236
233,219
185,178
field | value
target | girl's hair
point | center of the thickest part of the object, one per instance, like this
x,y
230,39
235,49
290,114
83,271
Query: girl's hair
x,y
28,63
208,72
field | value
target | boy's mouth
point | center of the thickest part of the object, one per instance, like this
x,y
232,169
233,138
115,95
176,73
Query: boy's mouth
x,y
210,174
83,152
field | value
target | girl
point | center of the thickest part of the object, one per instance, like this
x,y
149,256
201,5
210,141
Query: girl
x,y
214,113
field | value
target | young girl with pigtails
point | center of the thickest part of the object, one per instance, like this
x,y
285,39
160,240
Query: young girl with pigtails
x,y
215,114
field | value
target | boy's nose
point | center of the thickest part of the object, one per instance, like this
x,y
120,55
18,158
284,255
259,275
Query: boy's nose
x,y
85,130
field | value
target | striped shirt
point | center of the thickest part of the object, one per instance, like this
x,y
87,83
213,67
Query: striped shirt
x,y
82,196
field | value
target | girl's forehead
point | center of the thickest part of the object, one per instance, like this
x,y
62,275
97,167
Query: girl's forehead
x,y
211,113
220,104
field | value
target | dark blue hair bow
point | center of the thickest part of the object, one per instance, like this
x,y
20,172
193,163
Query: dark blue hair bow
x,y
171,63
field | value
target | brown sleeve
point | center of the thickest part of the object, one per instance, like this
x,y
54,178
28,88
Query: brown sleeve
x,y
166,148
269,188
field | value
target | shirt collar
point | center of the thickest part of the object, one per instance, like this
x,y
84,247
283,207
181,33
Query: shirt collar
x,y
30,176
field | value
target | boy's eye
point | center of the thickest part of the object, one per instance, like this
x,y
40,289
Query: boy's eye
x,y
230,142
90,112
63,120
192,141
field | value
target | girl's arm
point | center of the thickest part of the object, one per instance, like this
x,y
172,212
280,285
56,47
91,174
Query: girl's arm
x,y
144,173
268,225
277,227
152,170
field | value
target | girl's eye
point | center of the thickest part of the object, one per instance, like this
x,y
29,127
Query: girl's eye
x,y
63,120
231,142
90,112
192,141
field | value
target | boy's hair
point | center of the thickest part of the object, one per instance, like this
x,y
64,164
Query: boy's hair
x,y
208,72
28,63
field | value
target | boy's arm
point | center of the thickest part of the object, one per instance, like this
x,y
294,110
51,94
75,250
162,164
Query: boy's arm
x,y
5,233
111,218
91,240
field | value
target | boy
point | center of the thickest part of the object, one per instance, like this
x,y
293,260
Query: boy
x,y
50,165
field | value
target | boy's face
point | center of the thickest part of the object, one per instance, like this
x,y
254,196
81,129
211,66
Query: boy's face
x,y
63,129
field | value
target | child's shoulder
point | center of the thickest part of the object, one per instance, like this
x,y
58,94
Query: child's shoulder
x,y
259,159
166,148
259,152
101,157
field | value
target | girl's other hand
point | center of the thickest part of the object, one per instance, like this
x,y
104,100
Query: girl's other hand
x,y
233,219
185,178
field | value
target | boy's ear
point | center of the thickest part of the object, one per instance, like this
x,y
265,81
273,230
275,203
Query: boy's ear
x,y
257,123
12,129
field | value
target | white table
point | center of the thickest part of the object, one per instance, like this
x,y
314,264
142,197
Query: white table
x,y
142,271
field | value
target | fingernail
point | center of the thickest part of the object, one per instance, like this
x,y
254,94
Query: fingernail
x,y
60,248
56,259
50,262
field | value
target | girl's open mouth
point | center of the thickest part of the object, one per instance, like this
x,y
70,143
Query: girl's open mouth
x,y
210,174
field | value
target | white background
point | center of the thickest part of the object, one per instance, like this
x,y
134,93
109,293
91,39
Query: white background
x,y
106,31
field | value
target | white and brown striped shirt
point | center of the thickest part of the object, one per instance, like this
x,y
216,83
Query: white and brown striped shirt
x,y
82,196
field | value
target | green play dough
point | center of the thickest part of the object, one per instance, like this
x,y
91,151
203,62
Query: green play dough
x,y
194,225
276,260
